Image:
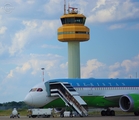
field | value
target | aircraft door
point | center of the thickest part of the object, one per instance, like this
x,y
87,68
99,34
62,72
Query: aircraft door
x,y
47,85
90,91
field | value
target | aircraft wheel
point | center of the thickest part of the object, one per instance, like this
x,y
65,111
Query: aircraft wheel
x,y
136,113
108,113
34,116
61,115
48,116
103,113
112,113
71,115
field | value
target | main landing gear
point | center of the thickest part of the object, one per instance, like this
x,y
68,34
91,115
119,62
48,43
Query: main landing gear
x,y
108,112
136,113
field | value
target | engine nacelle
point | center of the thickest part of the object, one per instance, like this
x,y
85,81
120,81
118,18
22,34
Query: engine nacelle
x,y
129,103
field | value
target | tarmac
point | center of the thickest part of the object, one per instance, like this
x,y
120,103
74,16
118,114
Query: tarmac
x,y
118,117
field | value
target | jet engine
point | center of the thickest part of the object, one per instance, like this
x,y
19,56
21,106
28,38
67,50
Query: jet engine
x,y
59,110
129,103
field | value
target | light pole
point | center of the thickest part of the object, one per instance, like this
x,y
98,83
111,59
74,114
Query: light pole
x,y
42,74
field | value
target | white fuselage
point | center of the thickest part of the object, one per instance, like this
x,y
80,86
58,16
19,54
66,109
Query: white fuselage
x,y
38,98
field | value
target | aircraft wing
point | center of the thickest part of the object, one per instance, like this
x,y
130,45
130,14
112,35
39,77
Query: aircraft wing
x,y
113,97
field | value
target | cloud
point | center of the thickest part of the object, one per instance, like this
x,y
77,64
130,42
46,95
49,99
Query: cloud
x,y
14,74
91,66
117,10
114,74
126,68
35,62
25,67
51,46
99,4
114,70
115,66
30,1
3,29
18,1
130,64
54,7
117,26
2,48
33,31
18,42
10,74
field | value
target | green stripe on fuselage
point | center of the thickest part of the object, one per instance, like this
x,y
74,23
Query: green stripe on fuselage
x,y
92,101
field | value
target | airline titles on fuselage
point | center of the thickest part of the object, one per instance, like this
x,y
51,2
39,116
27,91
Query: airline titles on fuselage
x,y
100,84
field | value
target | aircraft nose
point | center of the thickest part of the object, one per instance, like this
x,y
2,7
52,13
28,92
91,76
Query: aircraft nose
x,y
28,100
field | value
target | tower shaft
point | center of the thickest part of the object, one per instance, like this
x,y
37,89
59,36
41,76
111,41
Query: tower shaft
x,y
73,59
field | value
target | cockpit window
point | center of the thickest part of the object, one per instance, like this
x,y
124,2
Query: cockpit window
x,y
39,89
33,89
36,89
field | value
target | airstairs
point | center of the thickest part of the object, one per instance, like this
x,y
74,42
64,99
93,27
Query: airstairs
x,y
69,95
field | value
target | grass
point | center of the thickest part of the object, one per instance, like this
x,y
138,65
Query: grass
x,y
8,112
5,112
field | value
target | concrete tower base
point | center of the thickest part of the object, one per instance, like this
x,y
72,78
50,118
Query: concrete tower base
x,y
73,60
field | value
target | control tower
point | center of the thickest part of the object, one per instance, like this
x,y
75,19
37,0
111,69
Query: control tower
x,y
73,31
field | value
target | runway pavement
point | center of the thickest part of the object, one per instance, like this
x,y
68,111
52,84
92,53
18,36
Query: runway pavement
x,y
120,117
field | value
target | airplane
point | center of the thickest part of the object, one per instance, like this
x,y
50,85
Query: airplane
x,y
14,114
81,94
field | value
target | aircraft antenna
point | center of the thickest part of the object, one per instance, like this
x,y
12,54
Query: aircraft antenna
x,y
42,74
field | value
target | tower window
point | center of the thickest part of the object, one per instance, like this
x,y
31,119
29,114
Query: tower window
x,y
78,20
70,20
73,32
63,20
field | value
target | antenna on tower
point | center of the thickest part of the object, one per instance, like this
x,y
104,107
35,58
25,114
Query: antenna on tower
x,y
64,7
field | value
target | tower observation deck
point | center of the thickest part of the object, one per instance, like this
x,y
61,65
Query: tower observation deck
x,y
73,31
